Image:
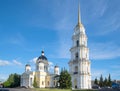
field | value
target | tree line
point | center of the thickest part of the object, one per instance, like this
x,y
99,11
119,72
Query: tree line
x,y
103,82
12,81
64,80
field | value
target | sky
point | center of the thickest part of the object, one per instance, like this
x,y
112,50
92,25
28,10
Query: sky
x,y
29,26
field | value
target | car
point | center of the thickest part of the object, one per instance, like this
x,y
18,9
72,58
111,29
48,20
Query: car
x,y
96,87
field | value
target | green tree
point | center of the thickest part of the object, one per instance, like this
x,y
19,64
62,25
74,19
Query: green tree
x,y
101,81
105,82
96,81
12,81
65,80
109,81
35,82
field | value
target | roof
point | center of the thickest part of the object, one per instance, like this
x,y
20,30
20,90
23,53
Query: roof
x,y
27,65
42,57
56,66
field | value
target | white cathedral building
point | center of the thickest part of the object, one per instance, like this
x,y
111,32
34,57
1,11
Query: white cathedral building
x,y
79,64
43,77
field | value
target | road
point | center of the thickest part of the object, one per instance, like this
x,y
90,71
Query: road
x,y
24,89
109,89
14,89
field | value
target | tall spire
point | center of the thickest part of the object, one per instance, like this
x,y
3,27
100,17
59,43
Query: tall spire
x,y
79,16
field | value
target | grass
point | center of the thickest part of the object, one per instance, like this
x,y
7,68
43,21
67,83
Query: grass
x,y
49,89
54,89
86,90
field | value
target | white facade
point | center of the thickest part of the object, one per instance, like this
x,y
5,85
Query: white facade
x,y
43,77
79,65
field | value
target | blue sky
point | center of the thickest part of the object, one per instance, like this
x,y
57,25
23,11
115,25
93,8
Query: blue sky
x,y
28,26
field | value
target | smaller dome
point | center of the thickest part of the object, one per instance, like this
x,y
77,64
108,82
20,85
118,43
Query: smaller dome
x,y
56,66
27,65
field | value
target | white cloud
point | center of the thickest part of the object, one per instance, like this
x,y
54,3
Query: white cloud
x,y
115,74
104,51
98,72
4,63
33,62
3,77
17,39
51,67
17,63
64,27
96,8
105,72
117,66
50,63
34,59
110,24
63,50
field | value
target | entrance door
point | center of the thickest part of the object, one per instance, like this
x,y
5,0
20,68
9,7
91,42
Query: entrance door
x,y
75,82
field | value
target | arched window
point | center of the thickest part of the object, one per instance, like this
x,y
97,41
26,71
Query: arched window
x,y
86,55
76,68
31,81
41,68
75,82
37,67
54,83
44,67
42,82
76,55
77,43
48,82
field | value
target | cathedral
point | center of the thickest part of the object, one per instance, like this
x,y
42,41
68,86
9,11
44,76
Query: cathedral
x,y
79,64
41,75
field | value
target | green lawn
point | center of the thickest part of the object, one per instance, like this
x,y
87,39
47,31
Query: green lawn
x,y
53,89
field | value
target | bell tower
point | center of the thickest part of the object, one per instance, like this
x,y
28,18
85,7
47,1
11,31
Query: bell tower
x,y
79,64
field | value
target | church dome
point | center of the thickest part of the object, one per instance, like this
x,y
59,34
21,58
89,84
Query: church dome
x,y
27,65
56,66
42,57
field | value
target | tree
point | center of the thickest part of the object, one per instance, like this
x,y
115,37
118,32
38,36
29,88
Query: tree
x,y
101,81
12,81
65,80
96,81
105,82
35,83
109,81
